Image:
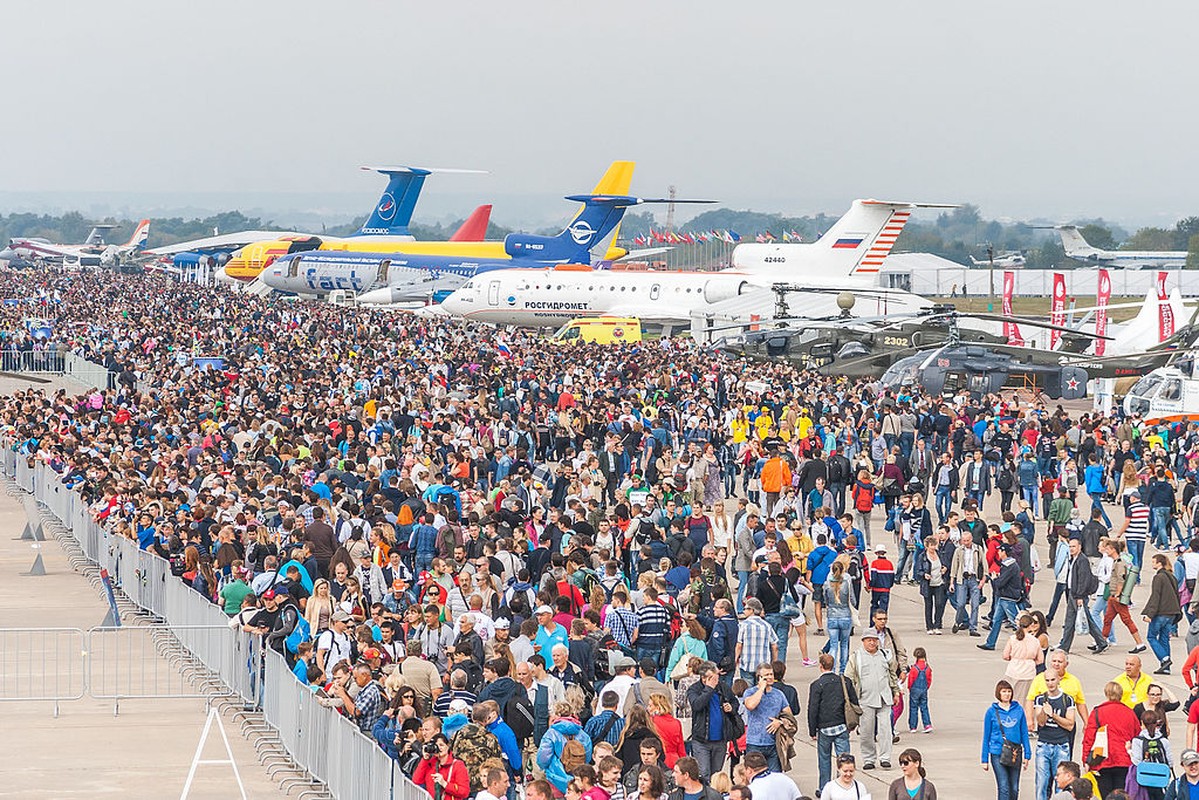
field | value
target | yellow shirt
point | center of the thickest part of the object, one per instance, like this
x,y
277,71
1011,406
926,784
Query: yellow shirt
x,y
1134,691
1070,685
804,426
740,429
762,425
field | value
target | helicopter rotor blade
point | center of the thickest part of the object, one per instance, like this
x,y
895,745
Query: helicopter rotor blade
x,y
1034,323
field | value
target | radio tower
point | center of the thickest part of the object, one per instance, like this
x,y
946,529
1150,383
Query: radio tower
x,y
670,211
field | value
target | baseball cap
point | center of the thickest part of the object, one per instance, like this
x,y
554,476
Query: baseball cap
x,y
1188,757
503,623
870,633
543,610
459,706
370,653
341,616
398,583
269,594
625,662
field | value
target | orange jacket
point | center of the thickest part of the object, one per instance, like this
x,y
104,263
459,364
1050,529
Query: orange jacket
x,y
775,475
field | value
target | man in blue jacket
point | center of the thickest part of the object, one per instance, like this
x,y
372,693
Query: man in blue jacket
x,y
820,561
509,747
1096,487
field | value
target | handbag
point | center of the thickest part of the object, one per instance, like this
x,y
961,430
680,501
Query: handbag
x,y
1011,754
789,606
1082,620
683,668
1153,774
854,617
853,711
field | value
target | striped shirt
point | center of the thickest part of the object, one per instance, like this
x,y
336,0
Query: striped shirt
x,y
653,624
755,637
1138,522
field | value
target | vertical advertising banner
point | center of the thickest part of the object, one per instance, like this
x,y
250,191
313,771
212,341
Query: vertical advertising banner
x,y
1102,297
1165,314
1010,329
1057,312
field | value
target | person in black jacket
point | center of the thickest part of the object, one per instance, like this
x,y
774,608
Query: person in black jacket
x,y
840,474
714,720
826,715
722,643
1081,583
1008,586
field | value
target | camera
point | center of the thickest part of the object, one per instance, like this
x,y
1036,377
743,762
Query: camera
x,y
430,749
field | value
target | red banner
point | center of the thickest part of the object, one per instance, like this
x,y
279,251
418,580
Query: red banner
x,y
1102,297
1057,311
1165,314
1010,329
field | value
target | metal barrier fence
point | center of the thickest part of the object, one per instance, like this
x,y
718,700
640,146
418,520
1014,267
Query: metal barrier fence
x,y
318,739
44,664
14,360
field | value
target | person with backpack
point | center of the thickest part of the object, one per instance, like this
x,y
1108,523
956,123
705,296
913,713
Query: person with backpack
x,y
1152,747
1055,716
1081,583
862,495
564,748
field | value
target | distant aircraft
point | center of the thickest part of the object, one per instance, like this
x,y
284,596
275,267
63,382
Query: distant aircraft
x,y
412,271
1077,247
847,257
247,264
388,221
403,277
93,252
1009,259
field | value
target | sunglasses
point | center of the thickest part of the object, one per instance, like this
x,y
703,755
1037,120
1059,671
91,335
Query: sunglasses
x,y
905,761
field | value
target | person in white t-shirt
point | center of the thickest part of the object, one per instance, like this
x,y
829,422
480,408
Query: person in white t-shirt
x,y
495,785
765,784
844,786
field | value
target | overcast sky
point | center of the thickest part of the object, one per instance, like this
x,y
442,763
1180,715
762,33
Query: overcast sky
x,y
1028,109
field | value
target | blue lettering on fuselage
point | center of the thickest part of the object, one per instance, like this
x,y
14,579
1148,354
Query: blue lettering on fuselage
x,y
327,283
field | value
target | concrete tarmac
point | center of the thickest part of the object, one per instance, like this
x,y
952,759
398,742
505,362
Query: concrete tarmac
x,y
145,751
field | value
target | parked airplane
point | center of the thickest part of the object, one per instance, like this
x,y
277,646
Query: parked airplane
x,y
93,252
1078,248
1011,259
615,181
846,257
388,220
415,270
402,277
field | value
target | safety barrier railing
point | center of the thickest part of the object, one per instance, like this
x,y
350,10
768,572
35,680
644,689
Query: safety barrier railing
x,y
326,745
43,664
12,360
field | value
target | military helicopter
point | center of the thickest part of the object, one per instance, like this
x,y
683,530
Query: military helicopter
x,y
860,347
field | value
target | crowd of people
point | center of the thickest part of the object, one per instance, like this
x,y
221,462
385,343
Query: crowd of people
x,y
586,570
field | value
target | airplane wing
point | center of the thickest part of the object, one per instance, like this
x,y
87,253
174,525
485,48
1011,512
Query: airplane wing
x,y
632,255
226,241
653,316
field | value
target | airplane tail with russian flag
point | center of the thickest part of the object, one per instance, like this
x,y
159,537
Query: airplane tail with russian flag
x,y
855,246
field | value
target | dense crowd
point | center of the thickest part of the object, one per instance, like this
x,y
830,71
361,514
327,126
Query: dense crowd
x,y
582,570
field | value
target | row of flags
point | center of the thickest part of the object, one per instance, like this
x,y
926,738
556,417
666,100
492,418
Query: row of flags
x,y
704,237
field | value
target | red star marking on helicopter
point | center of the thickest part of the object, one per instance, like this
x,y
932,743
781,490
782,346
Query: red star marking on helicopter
x,y
1072,383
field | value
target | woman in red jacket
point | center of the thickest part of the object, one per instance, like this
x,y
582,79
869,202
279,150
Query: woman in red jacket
x,y
1122,728
444,771
670,730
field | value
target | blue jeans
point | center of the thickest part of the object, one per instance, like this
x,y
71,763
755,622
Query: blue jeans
x,y
978,498
782,629
742,586
1048,756
1097,609
918,708
907,441
838,640
1005,609
907,558
825,747
944,502
770,751
1097,503
1159,526
1136,551
1007,779
968,591
1029,495
1159,636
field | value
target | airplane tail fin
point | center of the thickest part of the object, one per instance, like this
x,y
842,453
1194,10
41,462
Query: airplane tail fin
x,y
474,229
589,234
141,234
1073,242
393,212
859,241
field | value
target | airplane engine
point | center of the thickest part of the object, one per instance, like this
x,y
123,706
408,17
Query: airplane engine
x,y
222,259
717,289
519,245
